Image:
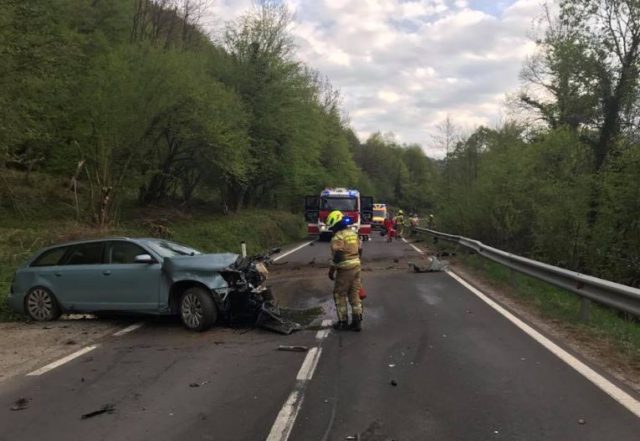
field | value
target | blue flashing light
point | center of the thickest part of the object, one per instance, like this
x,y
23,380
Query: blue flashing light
x,y
347,220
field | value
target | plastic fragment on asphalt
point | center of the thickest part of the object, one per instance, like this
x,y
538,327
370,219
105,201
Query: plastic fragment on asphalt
x,y
393,383
582,421
20,404
293,348
392,365
107,408
194,385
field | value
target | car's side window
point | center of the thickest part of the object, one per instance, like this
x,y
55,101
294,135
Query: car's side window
x,y
125,252
86,254
51,257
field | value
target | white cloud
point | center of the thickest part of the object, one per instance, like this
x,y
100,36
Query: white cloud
x,y
402,66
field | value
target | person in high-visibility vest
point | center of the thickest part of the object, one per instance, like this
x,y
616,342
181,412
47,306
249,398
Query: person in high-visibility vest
x,y
399,221
345,271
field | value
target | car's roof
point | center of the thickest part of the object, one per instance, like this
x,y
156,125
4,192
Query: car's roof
x,y
101,239
98,239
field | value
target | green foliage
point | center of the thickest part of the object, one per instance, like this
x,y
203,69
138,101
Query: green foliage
x,y
399,175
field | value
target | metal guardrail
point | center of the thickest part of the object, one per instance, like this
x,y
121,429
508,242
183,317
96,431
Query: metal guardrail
x,y
622,297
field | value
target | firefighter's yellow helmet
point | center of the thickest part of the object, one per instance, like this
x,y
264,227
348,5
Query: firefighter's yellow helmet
x,y
334,217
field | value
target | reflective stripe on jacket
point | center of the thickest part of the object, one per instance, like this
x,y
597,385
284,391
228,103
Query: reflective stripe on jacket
x,y
344,249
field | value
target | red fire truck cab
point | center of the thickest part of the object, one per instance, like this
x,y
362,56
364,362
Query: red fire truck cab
x,y
358,208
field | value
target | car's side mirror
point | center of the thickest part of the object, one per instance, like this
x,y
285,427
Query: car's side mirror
x,y
144,258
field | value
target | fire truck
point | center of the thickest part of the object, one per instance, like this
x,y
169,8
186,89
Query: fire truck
x,y
358,208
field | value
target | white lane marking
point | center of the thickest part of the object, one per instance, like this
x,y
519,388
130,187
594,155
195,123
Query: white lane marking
x,y
62,361
309,365
286,418
413,246
292,251
128,329
283,425
605,385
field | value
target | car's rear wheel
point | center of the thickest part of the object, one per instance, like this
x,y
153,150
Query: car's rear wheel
x,y
41,305
198,311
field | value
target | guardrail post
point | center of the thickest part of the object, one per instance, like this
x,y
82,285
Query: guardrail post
x,y
585,309
513,281
243,248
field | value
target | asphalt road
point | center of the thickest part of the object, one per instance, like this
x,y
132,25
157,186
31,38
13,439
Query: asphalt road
x,y
461,372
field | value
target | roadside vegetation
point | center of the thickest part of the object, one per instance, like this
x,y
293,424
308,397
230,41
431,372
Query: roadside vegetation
x,y
128,117
46,216
562,183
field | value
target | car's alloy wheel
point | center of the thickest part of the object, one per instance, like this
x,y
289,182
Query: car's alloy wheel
x,y
41,305
197,309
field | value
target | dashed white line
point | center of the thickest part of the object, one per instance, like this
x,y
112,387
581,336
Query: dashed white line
x,y
292,251
286,418
128,329
62,361
309,365
601,382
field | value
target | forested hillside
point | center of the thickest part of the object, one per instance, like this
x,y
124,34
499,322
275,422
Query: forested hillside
x,y
130,99
132,103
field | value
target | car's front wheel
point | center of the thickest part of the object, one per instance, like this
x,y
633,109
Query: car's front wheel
x,y
198,311
41,305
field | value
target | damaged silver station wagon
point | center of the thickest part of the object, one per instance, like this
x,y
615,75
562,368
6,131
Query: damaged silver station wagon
x,y
148,276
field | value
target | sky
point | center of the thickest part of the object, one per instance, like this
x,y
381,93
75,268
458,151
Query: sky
x,y
403,66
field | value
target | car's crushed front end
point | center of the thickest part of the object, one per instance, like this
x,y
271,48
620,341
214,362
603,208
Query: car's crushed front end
x,y
238,286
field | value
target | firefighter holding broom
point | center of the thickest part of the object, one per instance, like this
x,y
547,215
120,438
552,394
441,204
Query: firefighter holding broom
x,y
345,271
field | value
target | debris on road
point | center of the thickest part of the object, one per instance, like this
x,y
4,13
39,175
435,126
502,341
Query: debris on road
x,y
393,383
582,421
20,404
70,342
107,408
194,385
293,348
392,365
270,318
434,265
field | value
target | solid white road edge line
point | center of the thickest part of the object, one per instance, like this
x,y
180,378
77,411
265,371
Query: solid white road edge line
x,y
62,361
128,329
413,246
601,382
292,251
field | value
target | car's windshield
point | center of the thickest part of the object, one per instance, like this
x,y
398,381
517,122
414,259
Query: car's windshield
x,y
166,248
342,204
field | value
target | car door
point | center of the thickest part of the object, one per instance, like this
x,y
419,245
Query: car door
x,y
131,285
78,278
311,209
366,209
